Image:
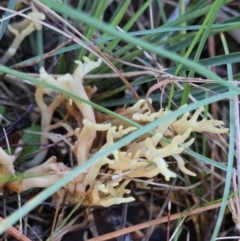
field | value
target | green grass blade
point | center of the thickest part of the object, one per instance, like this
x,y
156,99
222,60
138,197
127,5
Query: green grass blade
x,y
79,7
98,8
230,153
213,14
40,47
199,33
61,65
118,14
199,5
208,22
230,58
129,24
116,18
162,11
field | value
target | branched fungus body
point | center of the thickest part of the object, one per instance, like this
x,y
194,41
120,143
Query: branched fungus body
x,y
105,182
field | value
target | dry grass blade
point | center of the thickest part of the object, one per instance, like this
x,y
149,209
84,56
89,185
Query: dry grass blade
x,y
234,203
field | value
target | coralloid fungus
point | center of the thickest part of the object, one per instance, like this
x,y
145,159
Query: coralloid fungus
x,y
105,182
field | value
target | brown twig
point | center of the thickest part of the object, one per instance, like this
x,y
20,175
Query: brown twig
x,y
15,233
153,222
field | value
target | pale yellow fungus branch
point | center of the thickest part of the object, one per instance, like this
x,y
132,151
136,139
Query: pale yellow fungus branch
x,y
94,170
163,168
110,141
6,167
181,165
204,125
106,199
21,30
122,132
84,143
175,147
73,84
45,175
36,177
35,14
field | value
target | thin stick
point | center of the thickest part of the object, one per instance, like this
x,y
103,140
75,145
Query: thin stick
x,y
237,133
45,56
123,220
168,221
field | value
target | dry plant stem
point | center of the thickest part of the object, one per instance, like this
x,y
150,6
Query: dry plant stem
x,y
237,131
34,232
163,83
176,229
165,80
153,222
116,58
69,227
91,222
164,76
14,14
45,56
123,220
15,233
60,201
214,108
155,184
234,203
168,221
152,228
151,57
